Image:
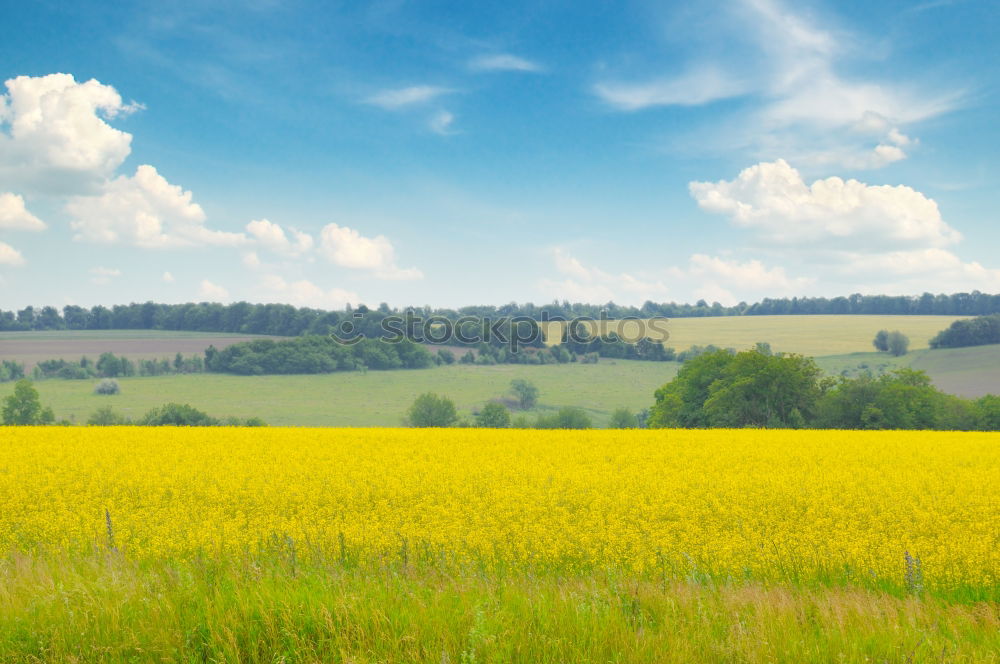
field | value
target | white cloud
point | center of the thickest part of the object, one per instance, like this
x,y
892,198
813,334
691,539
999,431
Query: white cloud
x,y
706,85
750,275
346,247
104,275
912,271
503,62
251,260
168,278
145,211
58,140
14,216
272,236
398,98
441,123
10,256
304,293
212,292
773,200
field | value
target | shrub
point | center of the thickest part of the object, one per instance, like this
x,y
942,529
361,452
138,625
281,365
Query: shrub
x,y
107,386
525,392
568,417
176,414
106,417
899,343
431,410
493,416
623,418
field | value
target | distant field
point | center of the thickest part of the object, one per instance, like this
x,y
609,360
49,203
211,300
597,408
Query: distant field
x,y
376,398
33,347
808,335
968,372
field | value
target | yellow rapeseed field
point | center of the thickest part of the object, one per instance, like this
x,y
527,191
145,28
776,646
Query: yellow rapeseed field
x,y
768,505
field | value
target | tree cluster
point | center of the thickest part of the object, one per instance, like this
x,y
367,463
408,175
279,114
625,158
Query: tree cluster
x,y
978,331
315,354
755,388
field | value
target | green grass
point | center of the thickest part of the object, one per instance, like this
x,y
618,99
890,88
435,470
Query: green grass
x,y
968,372
104,607
375,398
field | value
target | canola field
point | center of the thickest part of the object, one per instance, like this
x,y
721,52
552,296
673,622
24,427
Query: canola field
x,y
898,511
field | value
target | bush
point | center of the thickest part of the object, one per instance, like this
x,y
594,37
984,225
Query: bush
x,y
568,417
623,418
180,415
106,417
899,343
526,393
107,386
493,416
431,410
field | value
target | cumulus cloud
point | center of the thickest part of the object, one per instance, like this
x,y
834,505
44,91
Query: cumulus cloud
x,y
399,98
54,136
304,293
145,211
14,216
847,234
346,247
104,275
503,62
272,236
773,200
10,256
212,292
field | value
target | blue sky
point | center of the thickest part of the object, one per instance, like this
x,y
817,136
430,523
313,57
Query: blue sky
x,y
471,153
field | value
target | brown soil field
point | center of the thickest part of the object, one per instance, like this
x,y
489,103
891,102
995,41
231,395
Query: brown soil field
x,y
30,348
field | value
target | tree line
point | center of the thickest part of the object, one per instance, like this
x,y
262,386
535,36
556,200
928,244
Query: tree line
x,y
286,320
970,332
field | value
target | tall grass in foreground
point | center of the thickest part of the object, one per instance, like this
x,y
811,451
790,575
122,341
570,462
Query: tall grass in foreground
x,y
104,607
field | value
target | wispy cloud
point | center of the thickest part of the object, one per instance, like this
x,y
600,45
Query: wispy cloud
x,y
699,87
798,103
503,62
399,98
441,123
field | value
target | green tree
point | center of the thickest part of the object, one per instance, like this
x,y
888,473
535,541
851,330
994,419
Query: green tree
x,y
680,403
623,418
989,412
567,417
431,410
898,343
178,414
881,341
23,408
525,392
106,417
763,390
493,416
